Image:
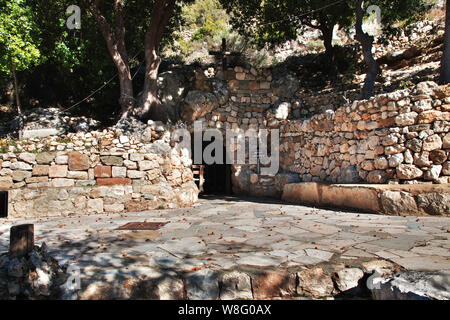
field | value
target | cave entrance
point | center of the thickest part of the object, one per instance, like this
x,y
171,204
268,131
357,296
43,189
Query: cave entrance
x,y
213,179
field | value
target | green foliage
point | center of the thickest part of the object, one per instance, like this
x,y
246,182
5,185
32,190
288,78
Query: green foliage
x,y
19,45
275,21
202,24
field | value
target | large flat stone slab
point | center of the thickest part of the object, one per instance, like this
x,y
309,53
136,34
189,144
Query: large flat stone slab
x,y
391,199
40,133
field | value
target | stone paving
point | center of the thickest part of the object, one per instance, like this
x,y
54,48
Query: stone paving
x,y
236,234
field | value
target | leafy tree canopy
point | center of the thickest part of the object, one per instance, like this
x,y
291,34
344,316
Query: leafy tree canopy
x,y
19,37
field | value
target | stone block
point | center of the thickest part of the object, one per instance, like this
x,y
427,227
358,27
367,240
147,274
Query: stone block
x,y
408,172
45,157
5,183
136,157
134,174
397,203
314,283
112,160
78,175
274,284
63,159
27,157
446,141
19,175
40,170
102,171
146,165
95,205
62,183
115,208
20,165
432,142
78,161
113,181
57,171
119,172
36,179
202,285
236,285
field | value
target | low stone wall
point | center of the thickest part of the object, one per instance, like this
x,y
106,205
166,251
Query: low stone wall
x,y
103,174
44,202
400,137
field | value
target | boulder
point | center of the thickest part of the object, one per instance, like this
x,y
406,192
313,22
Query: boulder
x,y
314,283
377,176
348,278
398,203
426,88
438,156
282,110
446,141
433,173
235,285
199,103
27,157
414,285
269,284
202,285
434,203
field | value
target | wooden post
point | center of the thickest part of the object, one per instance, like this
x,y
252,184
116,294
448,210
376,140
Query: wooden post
x,y
21,240
223,54
3,204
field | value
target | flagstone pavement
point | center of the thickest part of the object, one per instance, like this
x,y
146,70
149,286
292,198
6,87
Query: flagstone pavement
x,y
233,233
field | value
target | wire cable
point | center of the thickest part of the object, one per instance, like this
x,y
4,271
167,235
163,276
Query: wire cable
x,y
99,89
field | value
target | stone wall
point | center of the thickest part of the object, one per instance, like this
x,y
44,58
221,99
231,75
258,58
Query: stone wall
x,y
400,137
244,98
94,173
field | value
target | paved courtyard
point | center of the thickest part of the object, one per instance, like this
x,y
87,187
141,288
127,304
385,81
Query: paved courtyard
x,y
231,234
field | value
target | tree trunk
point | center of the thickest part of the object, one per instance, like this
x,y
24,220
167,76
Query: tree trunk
x,y
126,100
327,34
115,43
19,110
445,64
366,42
161,13
16,91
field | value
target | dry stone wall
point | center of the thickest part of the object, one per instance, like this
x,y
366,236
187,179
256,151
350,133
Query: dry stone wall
x,y
400,137
94,173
